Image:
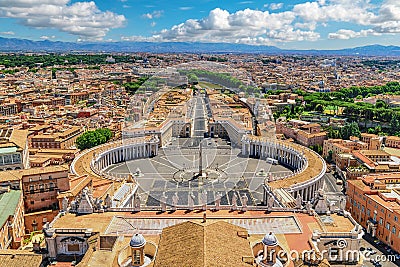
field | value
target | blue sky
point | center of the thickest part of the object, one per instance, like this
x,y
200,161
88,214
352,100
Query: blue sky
x,y
294,24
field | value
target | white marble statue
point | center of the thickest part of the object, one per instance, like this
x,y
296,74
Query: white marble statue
x,y
163,202
175,200
204,200
244,200
299,202
136,202
218,197
65,204
234,201
191,198
270,202
108,201
309,207
342,203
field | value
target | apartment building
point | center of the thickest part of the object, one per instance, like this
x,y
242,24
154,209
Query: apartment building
x,y
392,141
58,139
7,109
374,141
13,149
12,227
304,133
374,202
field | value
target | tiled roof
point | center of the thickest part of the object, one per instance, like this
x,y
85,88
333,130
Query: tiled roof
x,y
19,258
202,244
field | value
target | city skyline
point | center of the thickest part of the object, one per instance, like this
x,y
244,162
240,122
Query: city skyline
x,y
319,24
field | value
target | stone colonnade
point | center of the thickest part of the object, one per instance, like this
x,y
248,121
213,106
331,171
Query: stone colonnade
x,y
288,155
129,149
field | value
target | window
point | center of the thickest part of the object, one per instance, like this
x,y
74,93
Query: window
x,y
73,247
368,212
136,257
380,221
396,219
388,226
394,230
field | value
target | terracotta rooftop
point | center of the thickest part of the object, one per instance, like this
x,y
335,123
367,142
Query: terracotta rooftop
x,y
19,258
16,175
203,244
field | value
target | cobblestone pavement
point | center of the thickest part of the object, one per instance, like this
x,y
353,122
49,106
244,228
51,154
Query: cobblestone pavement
x,y
228,173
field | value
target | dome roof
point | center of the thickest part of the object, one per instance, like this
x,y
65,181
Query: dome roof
x,y
137,241
270,239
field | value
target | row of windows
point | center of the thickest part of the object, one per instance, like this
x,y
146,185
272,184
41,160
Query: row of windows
x,y
42,187
40,178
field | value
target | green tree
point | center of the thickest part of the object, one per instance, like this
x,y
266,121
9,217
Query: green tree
x,y
380,104
330,156
350,129
94,138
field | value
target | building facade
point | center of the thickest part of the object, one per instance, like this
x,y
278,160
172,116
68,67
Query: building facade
x,y
374,202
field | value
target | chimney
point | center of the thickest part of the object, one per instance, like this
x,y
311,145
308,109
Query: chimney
x,y
204,217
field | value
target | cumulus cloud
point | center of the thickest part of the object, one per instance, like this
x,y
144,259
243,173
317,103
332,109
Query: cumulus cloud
x,y
386,21
300,23
275,6
83,19
345,34
153,15
244,26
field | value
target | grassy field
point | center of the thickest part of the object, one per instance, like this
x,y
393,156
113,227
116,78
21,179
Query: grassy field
x,y
209,85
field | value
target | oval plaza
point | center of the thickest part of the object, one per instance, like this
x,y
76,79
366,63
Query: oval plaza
x,y
202,140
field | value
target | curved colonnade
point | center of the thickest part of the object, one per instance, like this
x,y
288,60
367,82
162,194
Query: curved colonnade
x,y
308,166
306,179
95,160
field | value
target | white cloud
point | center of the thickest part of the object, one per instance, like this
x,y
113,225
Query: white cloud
x,y
83,19
45,37
386,21
153,15
153,23
243,26
298,24
345,34
275,6
7,33
354,11
184,8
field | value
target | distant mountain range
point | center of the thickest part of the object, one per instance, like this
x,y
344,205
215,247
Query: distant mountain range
x,y
23,45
